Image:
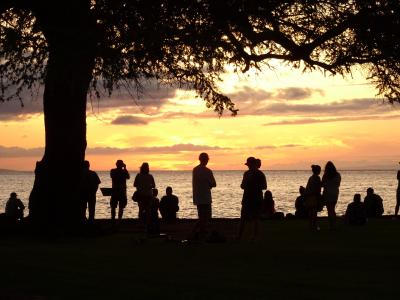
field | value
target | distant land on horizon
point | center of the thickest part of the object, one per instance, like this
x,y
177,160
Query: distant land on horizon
x,y
215,170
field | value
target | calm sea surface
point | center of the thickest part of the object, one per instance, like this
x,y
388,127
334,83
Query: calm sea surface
x,y
227,195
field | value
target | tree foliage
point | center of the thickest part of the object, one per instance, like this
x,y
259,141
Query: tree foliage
x,y
188,43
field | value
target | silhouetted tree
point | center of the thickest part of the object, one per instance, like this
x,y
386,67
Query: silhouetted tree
x,y
78,47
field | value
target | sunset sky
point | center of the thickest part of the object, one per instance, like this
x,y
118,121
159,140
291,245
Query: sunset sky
x,y
286,118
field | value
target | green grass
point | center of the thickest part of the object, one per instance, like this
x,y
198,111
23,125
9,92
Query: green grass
x,y
288,262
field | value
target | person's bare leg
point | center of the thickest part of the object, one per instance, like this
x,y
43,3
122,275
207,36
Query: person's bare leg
x,y
113,213
331,215
120,212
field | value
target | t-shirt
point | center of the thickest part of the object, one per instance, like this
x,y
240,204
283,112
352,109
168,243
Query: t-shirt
x,y
254,181
169,203
373,205
13,207
144,184
331,187
355,213
90,182
119,177
202,182
313,187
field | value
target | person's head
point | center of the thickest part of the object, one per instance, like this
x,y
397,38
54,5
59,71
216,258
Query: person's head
x,y
258,163
330,169
155,192
86,165
168,190
357,198
203,158
302,190
144,168
251,162
268,195
316,169
120,164
13,195
370,191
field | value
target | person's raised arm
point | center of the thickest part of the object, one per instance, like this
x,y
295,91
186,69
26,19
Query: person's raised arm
x,y
127,175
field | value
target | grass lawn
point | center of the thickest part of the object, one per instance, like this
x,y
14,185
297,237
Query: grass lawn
x,y
288,262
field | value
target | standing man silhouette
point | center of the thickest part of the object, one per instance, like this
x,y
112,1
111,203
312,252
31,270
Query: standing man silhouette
x,y
119,175
90,184
396,210
202,182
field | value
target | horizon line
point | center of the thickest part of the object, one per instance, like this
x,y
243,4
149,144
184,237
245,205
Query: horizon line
x,y
223,170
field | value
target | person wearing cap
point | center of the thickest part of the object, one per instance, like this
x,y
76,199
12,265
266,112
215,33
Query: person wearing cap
x,y
313,195
119,176
202,182
14,208
253,184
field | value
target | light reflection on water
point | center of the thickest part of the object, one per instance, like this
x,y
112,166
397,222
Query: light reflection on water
x,y
227,195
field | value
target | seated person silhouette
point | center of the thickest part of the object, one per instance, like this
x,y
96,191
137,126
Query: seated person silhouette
x,y
355,212
300,204
154,224
267,205
373,204
14,208
169,206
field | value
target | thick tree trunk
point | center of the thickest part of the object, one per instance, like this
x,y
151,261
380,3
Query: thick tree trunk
x,y
55,195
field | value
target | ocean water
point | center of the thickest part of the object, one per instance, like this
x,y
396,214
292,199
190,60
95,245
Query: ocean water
x,y
227,195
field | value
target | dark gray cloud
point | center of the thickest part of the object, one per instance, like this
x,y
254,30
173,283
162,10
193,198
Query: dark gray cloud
x,y
278,147
296,93
177,148
330,120
15,110
251,95
344,107
247,94
14,152
152,98
128,120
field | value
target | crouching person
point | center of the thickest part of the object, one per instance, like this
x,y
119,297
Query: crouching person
x,y
14,208
355,212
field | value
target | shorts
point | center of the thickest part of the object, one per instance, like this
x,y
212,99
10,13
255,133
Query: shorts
x,y
119,199
204,211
